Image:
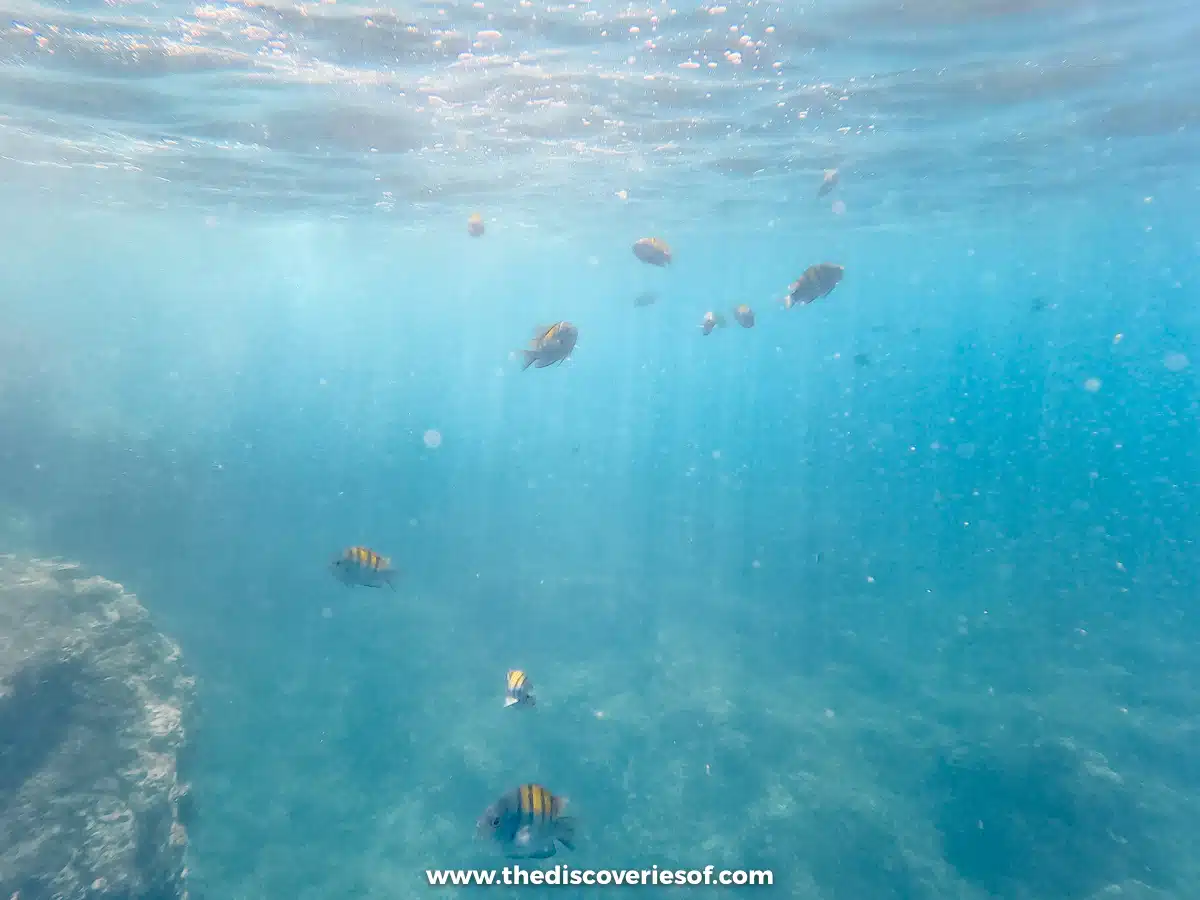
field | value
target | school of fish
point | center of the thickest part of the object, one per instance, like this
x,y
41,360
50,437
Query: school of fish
x,y
528,821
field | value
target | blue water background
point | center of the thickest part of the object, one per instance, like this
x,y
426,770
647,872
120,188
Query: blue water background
x,y
788,584
921,628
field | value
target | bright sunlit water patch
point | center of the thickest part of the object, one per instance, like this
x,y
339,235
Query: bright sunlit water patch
x,y
629,111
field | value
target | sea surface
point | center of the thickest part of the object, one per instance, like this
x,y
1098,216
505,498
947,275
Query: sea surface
x,y
894,594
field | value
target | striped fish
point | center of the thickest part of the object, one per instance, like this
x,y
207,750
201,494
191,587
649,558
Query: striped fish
x,y
652,250
363,566
550,344
518,689
527,822
816,282
744,316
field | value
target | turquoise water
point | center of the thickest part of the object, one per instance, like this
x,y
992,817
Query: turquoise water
x,y
918,624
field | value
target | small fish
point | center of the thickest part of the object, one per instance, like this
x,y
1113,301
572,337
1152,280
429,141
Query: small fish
x,y
828,183
475,225
862,359
551,344
518,690
712,320
744,316
364,567
653,251
817,281
646,298
1040,303
527,821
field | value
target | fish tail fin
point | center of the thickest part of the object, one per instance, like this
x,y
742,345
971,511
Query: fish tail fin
x,y
565,831
530,358
509,701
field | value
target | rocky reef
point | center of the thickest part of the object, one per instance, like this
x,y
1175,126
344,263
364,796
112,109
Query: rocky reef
x,y
92,706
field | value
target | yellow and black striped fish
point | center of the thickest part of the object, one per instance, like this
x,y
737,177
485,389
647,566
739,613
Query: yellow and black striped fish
x,y
652,250
518,689
363,566
550,344
527,822
814,283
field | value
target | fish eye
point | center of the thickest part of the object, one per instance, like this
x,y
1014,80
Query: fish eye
x,y
494,821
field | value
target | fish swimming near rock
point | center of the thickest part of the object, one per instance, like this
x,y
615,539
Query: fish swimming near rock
x,y
744,316
828,183
363,567
817,281
475,225
652,250
551,344
528,823
518,690
710,321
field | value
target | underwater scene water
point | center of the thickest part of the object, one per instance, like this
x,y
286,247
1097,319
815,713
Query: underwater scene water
x,y
892,593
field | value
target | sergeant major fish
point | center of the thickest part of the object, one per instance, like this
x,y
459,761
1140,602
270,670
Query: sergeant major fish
x,y
551,344
710,321
828,183
527,822
817,281
364,567
518,690
652,250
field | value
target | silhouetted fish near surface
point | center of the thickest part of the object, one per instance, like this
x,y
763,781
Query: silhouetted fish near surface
x,y
518,690
744,316
551,344
828,183
646,298
361,566
653,251
817,281
527,822
710,321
